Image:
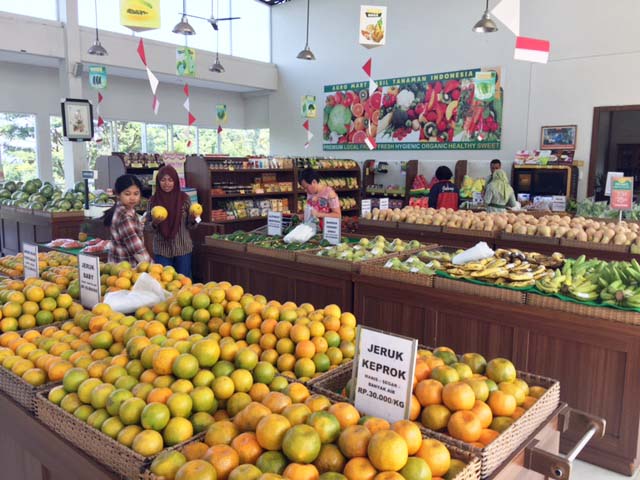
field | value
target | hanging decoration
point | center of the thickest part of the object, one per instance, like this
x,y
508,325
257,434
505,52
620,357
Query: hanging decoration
x,y
98,77
306,126
532,50
508,12
190,118
153,81
140,15
186,61
100,124
370,140
308,106
373,26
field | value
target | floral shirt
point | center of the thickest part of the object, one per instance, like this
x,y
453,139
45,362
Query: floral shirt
x,y
324,201
127,237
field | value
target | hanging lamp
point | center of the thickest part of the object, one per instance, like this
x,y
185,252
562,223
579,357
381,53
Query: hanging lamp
x,y
183,27
307,54
97,48
217,66
485,24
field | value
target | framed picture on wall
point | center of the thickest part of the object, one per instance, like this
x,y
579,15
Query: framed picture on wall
x,y
77,119
562,137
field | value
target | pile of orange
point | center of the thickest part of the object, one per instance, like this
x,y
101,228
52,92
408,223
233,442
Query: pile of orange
x,y
471,400
297,435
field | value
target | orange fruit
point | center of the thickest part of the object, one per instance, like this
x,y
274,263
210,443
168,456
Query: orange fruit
x,y
374,424
301,444
276,401
223,458
411,434
502,404
248,418
178,430
483,412
416,468
537,392
345,413
326,424
458,396
389,475
435,417
354,440
196,470
414,408
163,360
437,456
465,426
147,443
247,446
387,451
518,413
195,450
297,413
221,433
528,402
271,430
429,392
330,459
297,471
501,370
500,424
513,389
487,436
317,402
359,468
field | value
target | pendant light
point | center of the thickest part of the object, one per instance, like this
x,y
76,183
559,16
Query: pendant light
x,y
217,66
97,48
307,54
485,24
183,27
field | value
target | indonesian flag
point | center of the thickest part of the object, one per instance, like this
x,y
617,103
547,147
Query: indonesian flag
x,y
532,50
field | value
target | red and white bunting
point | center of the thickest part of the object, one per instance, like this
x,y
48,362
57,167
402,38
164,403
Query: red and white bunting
x,y
306,126
370,141
219,129
532,50
153,80
100,124
190,118
508,12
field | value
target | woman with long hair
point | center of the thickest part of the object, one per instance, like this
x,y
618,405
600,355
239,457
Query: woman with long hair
x,y
172,244
127,237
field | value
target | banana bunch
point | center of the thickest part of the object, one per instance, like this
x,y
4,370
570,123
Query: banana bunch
x,y
517,274
620,282
552,282
581,278
554,260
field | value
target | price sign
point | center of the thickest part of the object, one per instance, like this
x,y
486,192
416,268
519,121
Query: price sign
x,y
274,223
384,204
383,372
89,174
622,193
31,266
89,276
332,231
366,207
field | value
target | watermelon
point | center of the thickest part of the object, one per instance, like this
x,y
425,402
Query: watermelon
x,y
10,185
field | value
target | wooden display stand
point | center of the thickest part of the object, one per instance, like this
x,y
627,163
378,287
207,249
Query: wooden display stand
x,y
369,178
21,225
110,167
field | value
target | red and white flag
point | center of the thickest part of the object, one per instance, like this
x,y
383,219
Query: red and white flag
x,y
153,80
372,84
532,50
306,126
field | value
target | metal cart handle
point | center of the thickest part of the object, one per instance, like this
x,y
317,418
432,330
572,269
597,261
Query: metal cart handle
x,y
558,466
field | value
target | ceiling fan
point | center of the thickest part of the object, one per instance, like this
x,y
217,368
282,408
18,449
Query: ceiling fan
x,y
214,21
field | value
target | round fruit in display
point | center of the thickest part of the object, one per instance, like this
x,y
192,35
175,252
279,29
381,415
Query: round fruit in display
x,y
437,456
147,443
159,213
387,451
501,370
167,464
301,444
195,209
272,462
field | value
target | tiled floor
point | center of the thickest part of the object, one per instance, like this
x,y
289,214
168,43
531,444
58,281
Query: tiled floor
x,y
586,471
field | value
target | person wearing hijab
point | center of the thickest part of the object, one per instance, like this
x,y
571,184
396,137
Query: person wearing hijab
x,y
172,244
499,194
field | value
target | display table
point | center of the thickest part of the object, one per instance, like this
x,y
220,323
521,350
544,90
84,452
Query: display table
x,y
20,226
596,361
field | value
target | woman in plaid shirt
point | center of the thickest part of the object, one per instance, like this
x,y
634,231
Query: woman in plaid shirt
x,y
127,240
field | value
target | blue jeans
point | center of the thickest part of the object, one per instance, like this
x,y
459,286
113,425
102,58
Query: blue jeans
x,y
182,263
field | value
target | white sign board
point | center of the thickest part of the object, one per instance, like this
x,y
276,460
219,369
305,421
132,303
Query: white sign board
x,y
383,371
89,276
559,203
274,223
610,177
384,204
332,231
31,266
366,207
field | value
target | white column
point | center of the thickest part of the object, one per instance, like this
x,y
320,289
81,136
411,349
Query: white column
x,y
75,153
43,136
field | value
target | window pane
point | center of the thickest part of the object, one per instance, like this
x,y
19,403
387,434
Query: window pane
x,y
57,150
109,19
96,149
208,139
129,135
245,142
157,138
34,8
181,136
251,36
18,146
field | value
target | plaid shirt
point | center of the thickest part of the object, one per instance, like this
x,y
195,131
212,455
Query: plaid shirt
x,y
127,238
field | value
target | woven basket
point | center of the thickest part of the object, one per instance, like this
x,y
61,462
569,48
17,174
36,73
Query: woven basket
x,y
377,269
604,313
420,227
473,468
22,392
377,223
514,237
104,449
605,247
310,258
468,232
147,475
467,288
289,255
225,244
492,456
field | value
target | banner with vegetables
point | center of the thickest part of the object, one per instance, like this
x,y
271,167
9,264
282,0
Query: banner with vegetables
x,y
439,111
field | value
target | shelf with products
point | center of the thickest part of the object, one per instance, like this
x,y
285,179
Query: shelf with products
x,y
220,179
142,165
374,185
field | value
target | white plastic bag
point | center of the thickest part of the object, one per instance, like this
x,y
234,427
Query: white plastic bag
x,y
478,252
146,292
301,234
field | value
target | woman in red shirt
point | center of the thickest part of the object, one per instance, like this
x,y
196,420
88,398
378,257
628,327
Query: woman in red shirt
x,y
127,238
444,194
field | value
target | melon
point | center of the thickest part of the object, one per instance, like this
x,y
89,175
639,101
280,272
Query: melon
x,y
159,213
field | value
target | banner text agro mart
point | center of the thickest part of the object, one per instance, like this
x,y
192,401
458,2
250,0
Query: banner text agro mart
x,y
438,111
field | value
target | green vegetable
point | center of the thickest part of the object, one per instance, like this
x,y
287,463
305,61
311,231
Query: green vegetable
x,y
339,117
